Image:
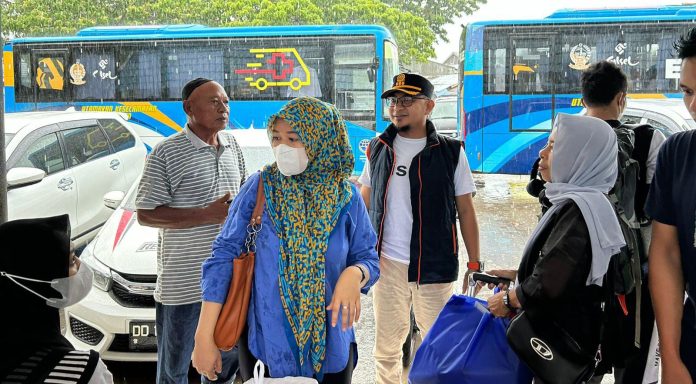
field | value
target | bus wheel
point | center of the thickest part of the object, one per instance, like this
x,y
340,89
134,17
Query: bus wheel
x,y
295,84
261,84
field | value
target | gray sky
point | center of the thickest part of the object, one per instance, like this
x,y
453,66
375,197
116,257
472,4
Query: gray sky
x,y
529,9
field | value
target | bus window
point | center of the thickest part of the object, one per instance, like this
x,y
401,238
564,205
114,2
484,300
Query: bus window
x,y
280,69
391,68
531,66
641,51
140,73
24,88
185,62
355,94
92,74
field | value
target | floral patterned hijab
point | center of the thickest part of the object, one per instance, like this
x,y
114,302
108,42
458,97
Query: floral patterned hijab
x,y
304,209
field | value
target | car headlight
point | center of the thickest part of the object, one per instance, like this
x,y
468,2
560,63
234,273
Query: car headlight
x,y
102,273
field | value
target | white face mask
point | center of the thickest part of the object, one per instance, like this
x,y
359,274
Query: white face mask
x,y
73,288
291,161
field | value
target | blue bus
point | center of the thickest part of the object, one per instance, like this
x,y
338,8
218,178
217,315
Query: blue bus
x,y
517,75
141,70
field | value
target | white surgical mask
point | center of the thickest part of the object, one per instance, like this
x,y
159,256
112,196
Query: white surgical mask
x,y
291,161
72,288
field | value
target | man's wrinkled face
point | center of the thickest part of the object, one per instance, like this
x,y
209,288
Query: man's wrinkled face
x,y
208,107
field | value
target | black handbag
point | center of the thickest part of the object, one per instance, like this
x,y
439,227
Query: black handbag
x,y
549,351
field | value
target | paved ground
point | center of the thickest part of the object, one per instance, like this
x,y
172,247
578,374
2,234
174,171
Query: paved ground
x,y
506,217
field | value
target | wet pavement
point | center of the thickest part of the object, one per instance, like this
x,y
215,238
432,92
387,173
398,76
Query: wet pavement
x,y
506,216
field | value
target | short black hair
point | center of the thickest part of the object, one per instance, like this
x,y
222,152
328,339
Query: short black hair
x,y
686,45
601,82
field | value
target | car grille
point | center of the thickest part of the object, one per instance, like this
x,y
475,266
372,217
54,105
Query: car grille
x,y
85,333
120,344
133,291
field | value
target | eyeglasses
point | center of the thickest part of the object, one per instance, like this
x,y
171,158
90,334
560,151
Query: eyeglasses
x,y
405,101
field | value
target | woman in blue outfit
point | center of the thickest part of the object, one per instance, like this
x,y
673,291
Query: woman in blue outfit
x,y
315,254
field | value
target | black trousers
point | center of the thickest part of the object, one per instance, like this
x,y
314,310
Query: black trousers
x,y
247,361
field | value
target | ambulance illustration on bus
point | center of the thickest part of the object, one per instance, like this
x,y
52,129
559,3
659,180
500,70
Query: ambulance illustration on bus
x,y
276,67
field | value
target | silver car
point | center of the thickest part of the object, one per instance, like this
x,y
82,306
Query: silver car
x,y
667,115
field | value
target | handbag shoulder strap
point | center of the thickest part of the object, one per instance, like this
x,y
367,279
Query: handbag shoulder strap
x,y
260,204
254,226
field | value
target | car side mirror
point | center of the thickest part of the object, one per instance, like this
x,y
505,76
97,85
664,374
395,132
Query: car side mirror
x,y
113,199
23,176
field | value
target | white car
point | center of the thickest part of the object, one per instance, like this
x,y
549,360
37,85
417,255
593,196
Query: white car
x,y
66,162
117,318
667,115
444,116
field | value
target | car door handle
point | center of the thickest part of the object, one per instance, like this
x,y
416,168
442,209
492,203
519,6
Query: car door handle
x,y
114,164
65,183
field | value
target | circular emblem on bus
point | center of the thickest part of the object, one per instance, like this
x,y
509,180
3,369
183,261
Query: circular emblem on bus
x,y
541,348
363,145
580,56
77,73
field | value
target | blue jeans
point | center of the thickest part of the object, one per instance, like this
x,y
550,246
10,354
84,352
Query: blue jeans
x,y
176,327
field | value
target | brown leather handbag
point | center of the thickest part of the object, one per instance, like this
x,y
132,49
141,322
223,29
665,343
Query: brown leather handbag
x,y
233,315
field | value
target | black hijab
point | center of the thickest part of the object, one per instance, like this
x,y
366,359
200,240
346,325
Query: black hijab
x,y
37,249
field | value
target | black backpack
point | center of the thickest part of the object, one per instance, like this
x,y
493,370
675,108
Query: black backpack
x,y
624,279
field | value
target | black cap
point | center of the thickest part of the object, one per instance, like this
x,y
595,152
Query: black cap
x,y
191,86
411,84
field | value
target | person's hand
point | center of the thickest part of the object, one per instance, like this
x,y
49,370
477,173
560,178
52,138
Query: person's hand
x,y
206,359
217,210
496,306
675,372
346,298
509,274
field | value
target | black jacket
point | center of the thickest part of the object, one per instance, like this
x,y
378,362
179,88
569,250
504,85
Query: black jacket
x,y
553,277
434,252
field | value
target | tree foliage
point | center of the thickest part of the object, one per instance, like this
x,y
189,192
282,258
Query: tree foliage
x,y
415,25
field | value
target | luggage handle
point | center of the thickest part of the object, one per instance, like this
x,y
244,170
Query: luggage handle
x,y
490,279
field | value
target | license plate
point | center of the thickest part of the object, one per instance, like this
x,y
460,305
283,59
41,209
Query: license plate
x,y
142,335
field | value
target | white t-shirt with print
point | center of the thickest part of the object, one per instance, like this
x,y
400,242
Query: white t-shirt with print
x,y
398,221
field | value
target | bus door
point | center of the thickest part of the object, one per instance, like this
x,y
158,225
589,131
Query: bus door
x,y
50,74
531,106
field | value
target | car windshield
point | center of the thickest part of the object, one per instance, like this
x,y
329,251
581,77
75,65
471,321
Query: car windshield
x,y
8,138
444,109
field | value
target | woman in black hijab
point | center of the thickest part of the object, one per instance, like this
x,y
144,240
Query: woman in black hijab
x,y
39,275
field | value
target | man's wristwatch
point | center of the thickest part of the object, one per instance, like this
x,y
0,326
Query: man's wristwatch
x,y
506,300
476,266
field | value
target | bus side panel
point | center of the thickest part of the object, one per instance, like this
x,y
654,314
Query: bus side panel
x,y
474,122
514,151
472,100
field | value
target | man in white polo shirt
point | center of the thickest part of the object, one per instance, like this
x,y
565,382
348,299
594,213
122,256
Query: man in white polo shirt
x,y
188,180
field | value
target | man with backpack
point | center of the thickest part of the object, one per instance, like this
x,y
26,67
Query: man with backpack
x,y
629,315
672,204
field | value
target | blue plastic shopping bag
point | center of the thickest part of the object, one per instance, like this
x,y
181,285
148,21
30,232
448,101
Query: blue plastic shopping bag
x,y
467,345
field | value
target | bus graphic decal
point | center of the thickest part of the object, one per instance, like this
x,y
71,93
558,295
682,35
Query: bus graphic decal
x,y
49,73
280,69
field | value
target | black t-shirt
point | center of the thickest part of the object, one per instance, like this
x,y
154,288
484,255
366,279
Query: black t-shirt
x,y
672,201
672,197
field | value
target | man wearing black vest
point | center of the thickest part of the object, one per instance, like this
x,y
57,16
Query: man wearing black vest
x,y
415,184
604,87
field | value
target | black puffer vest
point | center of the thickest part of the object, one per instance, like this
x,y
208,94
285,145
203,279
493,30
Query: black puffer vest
x,y
434,250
